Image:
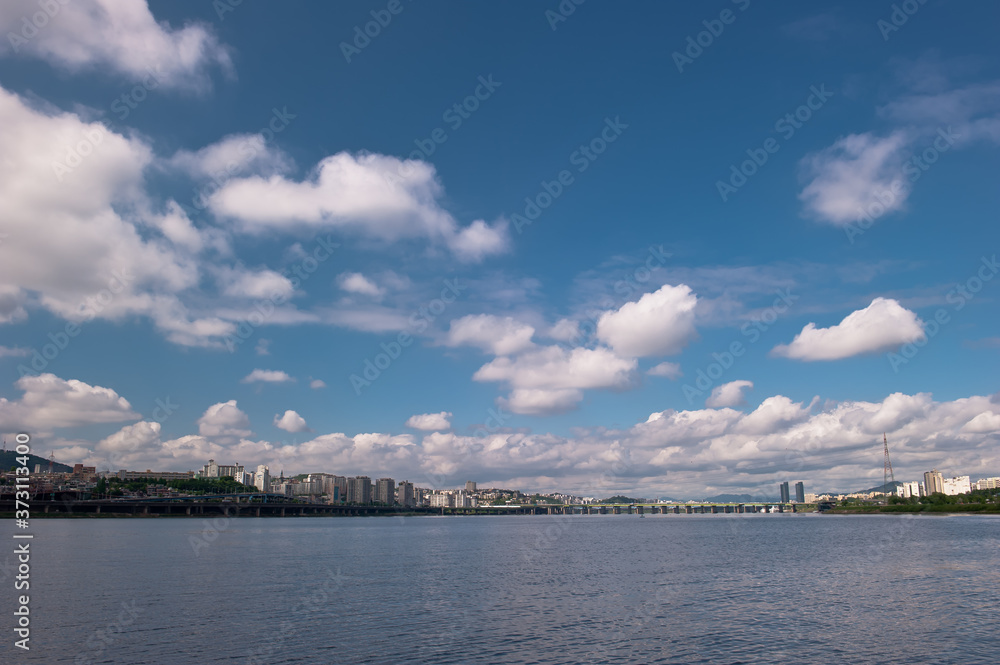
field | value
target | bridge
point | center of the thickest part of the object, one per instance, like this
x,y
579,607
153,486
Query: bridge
x,y
279,505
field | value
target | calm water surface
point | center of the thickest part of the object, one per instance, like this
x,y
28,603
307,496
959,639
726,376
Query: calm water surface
x,y
518,589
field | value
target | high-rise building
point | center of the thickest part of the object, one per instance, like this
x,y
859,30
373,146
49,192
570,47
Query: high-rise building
x,y
800,492
470,486
933,482
340,484
404,494
262,479
784,492
385,491
359,489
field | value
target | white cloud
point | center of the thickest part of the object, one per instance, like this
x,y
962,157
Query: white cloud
x,y
882,326
71,250
262,348
116,35
500,336
50,402
669,370
131,438
374,195
355,282
859,174
550,379
430,422
291,421
542,401
317,384
774,413
986,422
728,394
565,330
659,323
14,352
267,376
224,420
479,240
254,284
233,155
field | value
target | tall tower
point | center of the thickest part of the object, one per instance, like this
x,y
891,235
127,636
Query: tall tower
x,y
887,475
784,492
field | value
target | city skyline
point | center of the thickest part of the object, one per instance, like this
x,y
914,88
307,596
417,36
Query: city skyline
x,y
703,272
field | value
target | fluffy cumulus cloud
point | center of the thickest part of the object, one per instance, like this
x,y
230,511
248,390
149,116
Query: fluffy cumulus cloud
x,y
551,379
317,384
859,175
64,182
882,326
224,420
112,35
376,196
430,422
355,282
499,335
50,402
291,421
267,376
729,394
659,323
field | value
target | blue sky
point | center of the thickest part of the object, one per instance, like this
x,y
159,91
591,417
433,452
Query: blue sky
x,y
268,202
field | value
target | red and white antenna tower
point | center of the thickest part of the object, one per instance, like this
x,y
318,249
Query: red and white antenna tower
x,y
887,475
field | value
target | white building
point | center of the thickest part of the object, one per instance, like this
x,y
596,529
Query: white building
x,y
262,479
956,485
912,488
986,484
442,500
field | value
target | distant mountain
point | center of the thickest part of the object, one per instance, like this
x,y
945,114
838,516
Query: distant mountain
x,y
739,498
9,459
888,487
